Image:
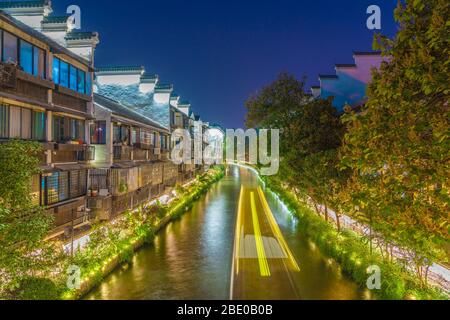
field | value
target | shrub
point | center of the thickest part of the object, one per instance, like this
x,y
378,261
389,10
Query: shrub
x,y
38,289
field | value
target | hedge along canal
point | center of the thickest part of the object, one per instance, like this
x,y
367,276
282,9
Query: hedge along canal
x,y
351,251
95,273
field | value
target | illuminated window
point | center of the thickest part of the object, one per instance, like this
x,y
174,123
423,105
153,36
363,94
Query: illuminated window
x,y
26,56
98,132
64,74
9,52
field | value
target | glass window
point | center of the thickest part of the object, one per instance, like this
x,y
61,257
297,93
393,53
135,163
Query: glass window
x,y
14,122
125,135
38,62
73,78
77,130
58,129
116,134
64,74
98,132
88,84
56,72
9,47
26,56
81,81
134,136
38,125
25,124
146,137
4,121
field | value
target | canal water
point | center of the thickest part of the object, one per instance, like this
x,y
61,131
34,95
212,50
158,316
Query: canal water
x,y
192,258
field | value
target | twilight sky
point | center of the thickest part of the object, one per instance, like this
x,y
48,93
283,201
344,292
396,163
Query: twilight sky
x,y
219,52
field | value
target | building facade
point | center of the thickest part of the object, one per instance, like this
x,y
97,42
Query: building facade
x,y
46,96
349,83
105,132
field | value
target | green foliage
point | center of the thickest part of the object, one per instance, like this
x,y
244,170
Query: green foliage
x,y
352,252
398,147
38,289
23,224
307,125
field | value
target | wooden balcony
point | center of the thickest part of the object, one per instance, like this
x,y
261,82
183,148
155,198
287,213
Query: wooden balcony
x,y
122,153
73,153
64,97
140,154
165,155
15,82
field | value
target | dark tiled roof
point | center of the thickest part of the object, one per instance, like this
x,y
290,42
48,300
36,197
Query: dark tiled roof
x,y
123,111
55,19
149,78
164,87
184,103
81,35
56,47
328,76
22,4
120,69
365,53
345,65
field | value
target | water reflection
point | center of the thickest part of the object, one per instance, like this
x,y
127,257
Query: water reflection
x,y
191,258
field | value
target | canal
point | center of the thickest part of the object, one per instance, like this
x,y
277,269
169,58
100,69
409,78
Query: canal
x,y
192,258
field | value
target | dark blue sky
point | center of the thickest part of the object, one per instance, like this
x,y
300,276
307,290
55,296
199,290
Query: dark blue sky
x,y
218,52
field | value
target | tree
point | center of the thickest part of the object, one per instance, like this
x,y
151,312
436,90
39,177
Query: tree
x,y
308,125
398,147
23,224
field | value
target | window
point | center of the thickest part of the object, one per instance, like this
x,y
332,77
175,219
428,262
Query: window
x,y
38,126
98,132
38,62
26,56
64,74
58,129
30,58
56,187
56,68
146,137
4,121
62,186
9,52
121,134
65,129
77,130
88,87
25,123
21,123
134,136
71,77
81,79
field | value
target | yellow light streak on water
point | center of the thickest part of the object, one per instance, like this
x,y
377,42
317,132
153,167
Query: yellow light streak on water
x,y
262,260
276,230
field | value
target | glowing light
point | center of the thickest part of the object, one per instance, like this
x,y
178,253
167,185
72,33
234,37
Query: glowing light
x,y
276,230
238,231
262,260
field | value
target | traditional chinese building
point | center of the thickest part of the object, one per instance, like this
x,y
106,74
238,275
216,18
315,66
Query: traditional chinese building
x,y
46,96
348,85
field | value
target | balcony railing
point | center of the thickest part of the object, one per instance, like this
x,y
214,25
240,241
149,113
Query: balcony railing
x,y
122,153
87,154
16,82
139,154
